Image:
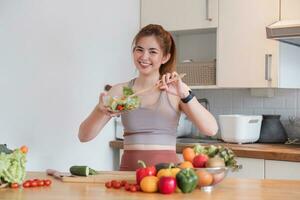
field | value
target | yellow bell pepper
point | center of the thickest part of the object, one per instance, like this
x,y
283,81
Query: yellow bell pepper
x,y
168,171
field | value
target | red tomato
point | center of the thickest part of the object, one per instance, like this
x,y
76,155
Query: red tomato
x,y
33,184
26,184
120,107
24,149
113,182
127,186
47,182
123,183
14,185
133,188
116,185
40,183
108,184
138,188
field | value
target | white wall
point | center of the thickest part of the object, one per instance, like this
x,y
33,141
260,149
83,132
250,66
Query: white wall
x,y
55,58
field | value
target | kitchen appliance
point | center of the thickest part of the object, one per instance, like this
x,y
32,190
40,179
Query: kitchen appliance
x,y
119,130
240,128
292,128
272,130
287,31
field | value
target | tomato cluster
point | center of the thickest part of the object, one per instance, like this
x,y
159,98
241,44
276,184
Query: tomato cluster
x,y
32,183
36,183
119,184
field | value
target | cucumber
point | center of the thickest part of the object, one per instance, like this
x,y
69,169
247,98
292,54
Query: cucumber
x,y
80,170
92,171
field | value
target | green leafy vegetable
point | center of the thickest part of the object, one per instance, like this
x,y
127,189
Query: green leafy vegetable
x,y
127,91
124,103
225,153
12,167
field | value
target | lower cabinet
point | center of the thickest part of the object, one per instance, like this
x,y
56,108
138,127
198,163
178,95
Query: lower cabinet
x,y
282,170
251,168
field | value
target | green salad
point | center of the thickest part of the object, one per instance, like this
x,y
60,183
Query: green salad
x,y
12,165
125,102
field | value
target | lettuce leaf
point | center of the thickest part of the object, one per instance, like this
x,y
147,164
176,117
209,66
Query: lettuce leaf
x,y
12,166
127,91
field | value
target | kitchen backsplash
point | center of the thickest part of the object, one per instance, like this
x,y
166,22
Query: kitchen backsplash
x,y
286,102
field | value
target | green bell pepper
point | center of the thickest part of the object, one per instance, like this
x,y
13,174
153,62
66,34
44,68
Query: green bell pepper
x,y
187,180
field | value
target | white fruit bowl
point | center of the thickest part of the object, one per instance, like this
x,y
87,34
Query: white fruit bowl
x,y
208,178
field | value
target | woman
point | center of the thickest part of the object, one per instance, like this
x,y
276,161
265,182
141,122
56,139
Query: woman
x,y
150,130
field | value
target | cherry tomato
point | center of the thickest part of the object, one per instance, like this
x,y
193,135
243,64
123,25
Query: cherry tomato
x,y
24,149
47,182
14,185
133,188
116,185
33,184
26,184
120,107
40,183
138,188
113,182
127,186
123,183
108,184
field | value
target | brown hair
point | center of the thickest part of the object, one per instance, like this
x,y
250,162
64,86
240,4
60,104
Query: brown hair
x,y
165,41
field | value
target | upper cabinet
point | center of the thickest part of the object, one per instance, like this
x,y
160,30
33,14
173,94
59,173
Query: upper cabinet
x,y
232,33
246,58
176,15
290,9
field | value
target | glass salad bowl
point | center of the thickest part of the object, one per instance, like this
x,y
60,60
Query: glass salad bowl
x,y
121,104
208,178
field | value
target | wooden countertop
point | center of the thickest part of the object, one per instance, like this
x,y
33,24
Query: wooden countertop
x,y
228,189
283,152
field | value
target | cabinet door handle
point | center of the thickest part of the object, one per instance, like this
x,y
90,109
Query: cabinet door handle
x,y
268,64
208,18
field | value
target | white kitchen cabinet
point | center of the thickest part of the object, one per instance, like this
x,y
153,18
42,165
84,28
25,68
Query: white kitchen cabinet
x,y
246,58
290,9
176,15
282,170
252,168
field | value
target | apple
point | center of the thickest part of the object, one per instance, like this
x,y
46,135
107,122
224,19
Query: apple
x,y
200,160
167,185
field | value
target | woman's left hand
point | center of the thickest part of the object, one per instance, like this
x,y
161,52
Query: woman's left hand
x,y
172,83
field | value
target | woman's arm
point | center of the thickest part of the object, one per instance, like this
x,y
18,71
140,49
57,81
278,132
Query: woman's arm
x,y
98,118
200,117
92,125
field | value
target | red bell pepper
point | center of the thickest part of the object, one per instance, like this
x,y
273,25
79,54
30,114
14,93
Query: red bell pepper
x,y
144,171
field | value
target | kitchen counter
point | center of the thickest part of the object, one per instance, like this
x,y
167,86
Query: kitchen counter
x,y
282,152
228,189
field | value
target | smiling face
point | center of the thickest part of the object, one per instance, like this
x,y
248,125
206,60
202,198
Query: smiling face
x,y
148,55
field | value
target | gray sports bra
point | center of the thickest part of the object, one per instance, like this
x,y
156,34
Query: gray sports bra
x,y
154,125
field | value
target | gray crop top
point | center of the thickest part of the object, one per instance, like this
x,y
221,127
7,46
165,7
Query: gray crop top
x,y
156,125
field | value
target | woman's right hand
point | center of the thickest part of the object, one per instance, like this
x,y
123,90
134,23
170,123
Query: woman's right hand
x,y
101,106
